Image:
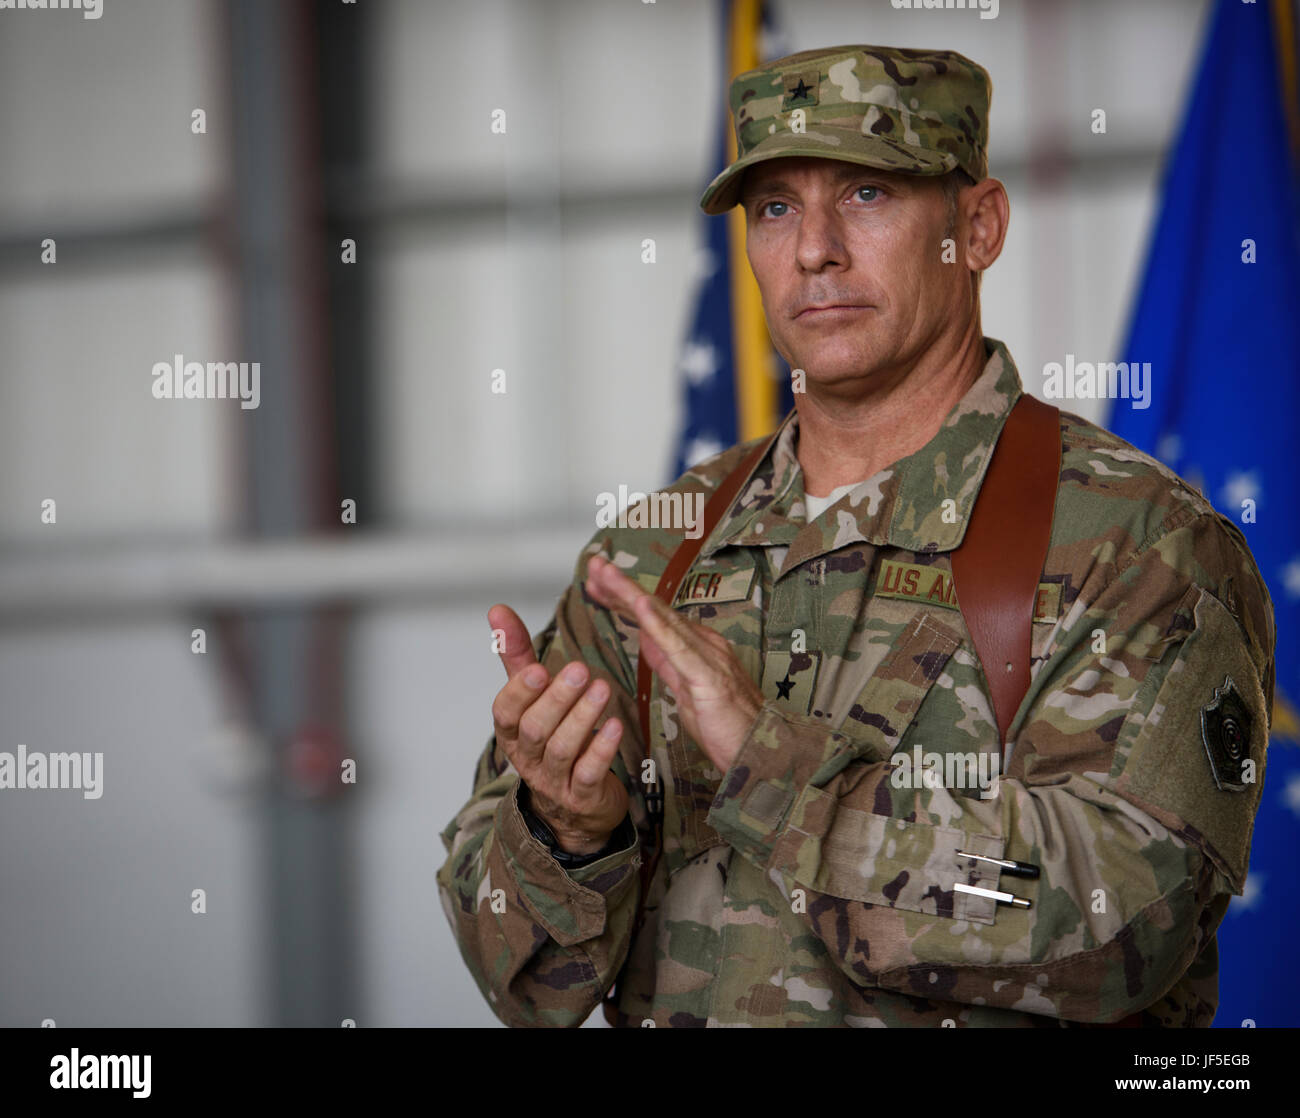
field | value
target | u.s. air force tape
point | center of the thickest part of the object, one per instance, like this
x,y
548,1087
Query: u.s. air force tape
x,y
933,586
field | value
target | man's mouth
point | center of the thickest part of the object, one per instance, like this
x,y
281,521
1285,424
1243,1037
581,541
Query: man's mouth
x,y
827,310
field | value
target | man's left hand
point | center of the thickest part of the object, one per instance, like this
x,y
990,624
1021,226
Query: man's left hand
x,y
717,699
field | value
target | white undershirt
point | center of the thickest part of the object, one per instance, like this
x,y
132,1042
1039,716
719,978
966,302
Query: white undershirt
x,y
818,505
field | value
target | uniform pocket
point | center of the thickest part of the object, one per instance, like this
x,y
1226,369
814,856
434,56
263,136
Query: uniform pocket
x,y
888,703
875,842
854,855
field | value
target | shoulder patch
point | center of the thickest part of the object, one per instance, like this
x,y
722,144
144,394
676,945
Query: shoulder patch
x,y
1198,765
1225,731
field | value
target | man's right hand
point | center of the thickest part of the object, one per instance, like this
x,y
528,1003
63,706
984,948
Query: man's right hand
x,y
545,727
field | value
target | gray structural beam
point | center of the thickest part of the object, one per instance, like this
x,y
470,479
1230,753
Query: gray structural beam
x,y
293,657
444,570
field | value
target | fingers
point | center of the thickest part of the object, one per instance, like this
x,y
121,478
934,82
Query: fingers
x,y
517,647
672,646
590,769
513,700
610,586
540,720
713,637
677,639
659,663
572,735
548,734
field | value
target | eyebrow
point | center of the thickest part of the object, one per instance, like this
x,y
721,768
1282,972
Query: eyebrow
x,y
850,171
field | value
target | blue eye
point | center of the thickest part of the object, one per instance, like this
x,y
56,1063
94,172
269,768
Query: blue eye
x,y
874,191
764,209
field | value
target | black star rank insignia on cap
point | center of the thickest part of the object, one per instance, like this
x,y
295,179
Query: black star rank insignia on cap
x,y
800,89
1225,730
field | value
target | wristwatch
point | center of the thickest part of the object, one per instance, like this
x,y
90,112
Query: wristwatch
x,y
624,836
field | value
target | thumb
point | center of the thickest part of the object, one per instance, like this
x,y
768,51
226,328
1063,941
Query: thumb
x,y
516,647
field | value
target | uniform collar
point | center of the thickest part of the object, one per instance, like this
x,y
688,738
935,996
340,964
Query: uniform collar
x,y
901,506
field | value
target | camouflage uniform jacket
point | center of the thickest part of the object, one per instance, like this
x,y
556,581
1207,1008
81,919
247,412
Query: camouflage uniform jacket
x,y
812,883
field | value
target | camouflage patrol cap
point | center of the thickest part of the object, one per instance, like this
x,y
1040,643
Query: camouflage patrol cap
x,y
920,112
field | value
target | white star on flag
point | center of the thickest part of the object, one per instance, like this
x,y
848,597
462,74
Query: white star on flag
x,y
700,448
1291,578
1169,448
1251,893
1291,793
699,362
703,265
1241,487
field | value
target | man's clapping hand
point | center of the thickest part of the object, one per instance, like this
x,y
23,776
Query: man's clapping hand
x,y
545,727
717,699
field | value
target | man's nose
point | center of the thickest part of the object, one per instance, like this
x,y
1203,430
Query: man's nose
x,y
820,241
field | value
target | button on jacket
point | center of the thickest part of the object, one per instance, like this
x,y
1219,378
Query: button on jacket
x,y
813,882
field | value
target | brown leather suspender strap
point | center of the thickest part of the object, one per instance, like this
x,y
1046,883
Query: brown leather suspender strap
x,y
997,567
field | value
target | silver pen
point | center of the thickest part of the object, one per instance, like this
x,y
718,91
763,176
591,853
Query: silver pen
x,y
993,894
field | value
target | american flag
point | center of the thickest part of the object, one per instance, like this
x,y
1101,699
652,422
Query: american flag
x,y
712,383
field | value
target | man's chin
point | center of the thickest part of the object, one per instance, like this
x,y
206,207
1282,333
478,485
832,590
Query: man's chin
x,y
826,371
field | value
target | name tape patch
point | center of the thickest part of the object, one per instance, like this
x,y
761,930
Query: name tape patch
x,y
711,587
933,586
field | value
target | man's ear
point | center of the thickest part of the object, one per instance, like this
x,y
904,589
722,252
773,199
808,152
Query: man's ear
x,y
987,212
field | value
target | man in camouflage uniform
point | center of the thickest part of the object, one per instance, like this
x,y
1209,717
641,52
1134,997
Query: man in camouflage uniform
x,y
816,653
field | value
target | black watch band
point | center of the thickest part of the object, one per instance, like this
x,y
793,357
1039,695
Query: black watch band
x,y
623,836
